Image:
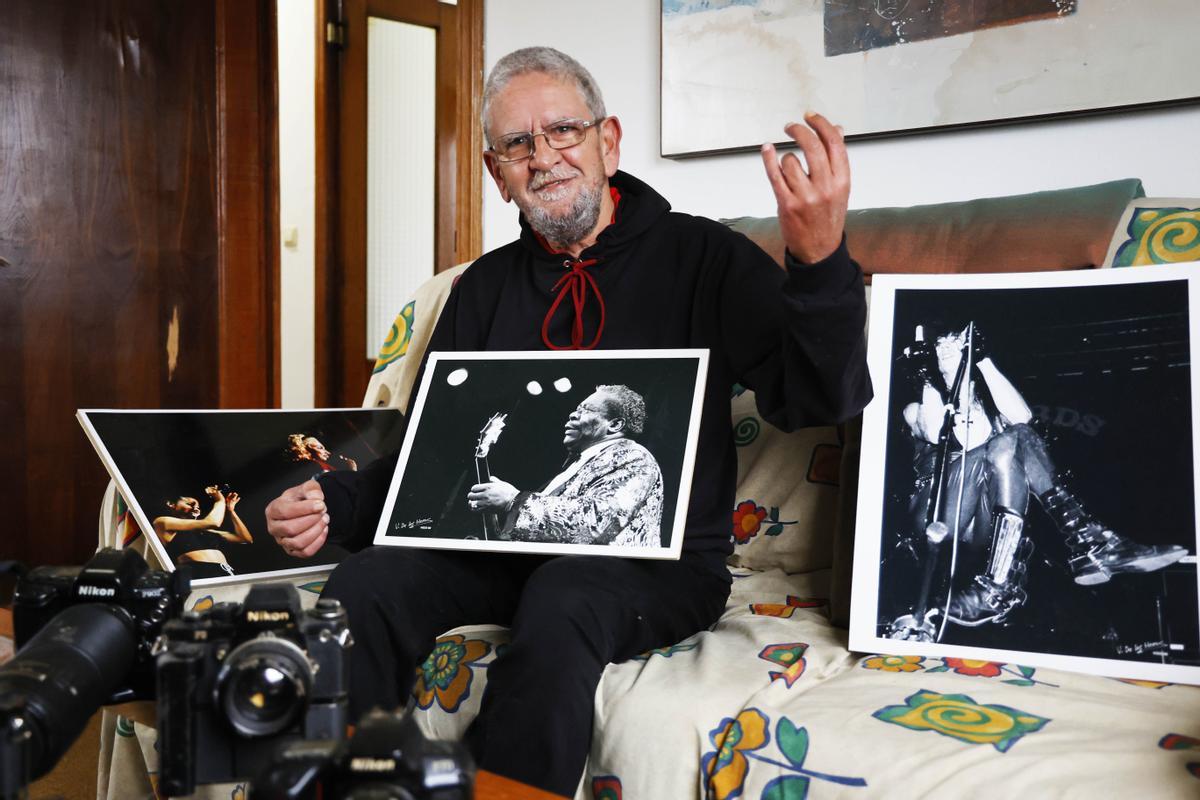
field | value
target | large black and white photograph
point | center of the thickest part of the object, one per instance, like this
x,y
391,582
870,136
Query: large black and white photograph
x,y
549,452
1028,478
198,482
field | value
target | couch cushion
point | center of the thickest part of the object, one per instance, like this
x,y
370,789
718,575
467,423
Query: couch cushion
x,y
770,696
787,492
1059,229
1156,231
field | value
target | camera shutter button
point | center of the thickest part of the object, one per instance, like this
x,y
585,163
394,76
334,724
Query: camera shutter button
x,y
327,606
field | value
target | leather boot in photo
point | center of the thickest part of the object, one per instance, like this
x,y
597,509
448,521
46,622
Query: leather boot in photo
x,y
1096,553
991,597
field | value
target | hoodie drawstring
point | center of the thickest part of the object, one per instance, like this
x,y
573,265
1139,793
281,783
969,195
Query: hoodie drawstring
x,y
575,283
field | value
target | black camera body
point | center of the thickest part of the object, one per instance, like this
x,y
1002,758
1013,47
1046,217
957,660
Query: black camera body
x,y
240,679
120,578
387,759
85,637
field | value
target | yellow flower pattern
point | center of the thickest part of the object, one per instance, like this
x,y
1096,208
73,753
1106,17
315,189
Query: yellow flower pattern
x,y
1160,236
960,717
396,345
894,663
446,673
725,769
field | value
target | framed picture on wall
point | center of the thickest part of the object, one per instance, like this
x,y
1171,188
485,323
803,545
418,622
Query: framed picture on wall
x,y
549,452
1029,471
197,483
735,71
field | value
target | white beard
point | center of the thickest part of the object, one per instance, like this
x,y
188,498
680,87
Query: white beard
x,y
573,225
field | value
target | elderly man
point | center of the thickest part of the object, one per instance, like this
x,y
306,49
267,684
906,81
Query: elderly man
x,y
637,276
610,492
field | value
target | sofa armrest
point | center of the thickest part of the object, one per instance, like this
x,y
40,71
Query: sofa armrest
x,y
401,353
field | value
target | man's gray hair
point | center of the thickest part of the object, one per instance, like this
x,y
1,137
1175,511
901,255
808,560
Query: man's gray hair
x,y
547,61
624,403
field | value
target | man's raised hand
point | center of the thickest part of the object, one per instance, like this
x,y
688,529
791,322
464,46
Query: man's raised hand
x,y
812,205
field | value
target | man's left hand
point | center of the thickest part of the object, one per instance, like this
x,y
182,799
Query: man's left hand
x,y
495,495
812,204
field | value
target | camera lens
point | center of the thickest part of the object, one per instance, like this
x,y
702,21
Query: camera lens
x,y
263,686
65,672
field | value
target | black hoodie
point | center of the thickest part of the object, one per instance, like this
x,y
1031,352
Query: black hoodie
x,y
668,280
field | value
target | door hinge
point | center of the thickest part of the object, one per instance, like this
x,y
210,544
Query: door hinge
x,y
335,33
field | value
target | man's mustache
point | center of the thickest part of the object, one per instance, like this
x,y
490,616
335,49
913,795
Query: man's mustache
x,y
543,178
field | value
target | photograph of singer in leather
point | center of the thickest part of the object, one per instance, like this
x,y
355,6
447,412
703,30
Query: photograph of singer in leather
x,y
1039,476
572,452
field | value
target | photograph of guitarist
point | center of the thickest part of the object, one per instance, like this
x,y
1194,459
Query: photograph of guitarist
x,y
609,491
975,452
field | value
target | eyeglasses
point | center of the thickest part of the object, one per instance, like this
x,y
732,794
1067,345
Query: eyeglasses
x,y
559,135
582,407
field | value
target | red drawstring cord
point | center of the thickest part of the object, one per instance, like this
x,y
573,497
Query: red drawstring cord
x,y
576,283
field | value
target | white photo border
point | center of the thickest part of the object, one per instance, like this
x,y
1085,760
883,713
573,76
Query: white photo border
x,y
701,355
869,518
83,415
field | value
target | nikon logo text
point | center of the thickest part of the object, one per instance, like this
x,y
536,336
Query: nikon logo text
x,y
267,616
96,591
372,764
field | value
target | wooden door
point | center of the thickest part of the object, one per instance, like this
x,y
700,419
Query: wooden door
x,y
345,350
137,236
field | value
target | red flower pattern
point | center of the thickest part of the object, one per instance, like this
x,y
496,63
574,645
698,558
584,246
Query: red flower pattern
x,y
747,519
966,666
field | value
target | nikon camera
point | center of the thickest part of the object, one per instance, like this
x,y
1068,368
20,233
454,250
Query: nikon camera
x,y
146,599
387,759
239,680
85,637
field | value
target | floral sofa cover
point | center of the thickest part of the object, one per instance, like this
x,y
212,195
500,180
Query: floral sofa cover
x,y
769,703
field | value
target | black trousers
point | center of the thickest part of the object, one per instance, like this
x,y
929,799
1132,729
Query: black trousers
x,y
570,616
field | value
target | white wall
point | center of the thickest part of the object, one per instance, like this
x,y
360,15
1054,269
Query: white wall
x,y
618,41
297,194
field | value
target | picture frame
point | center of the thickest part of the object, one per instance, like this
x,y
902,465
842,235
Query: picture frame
x,y
484,417
1021,570
158,458
735,72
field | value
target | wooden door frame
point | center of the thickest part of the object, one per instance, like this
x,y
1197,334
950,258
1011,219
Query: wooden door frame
x,y
138,258
247,120
458,178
